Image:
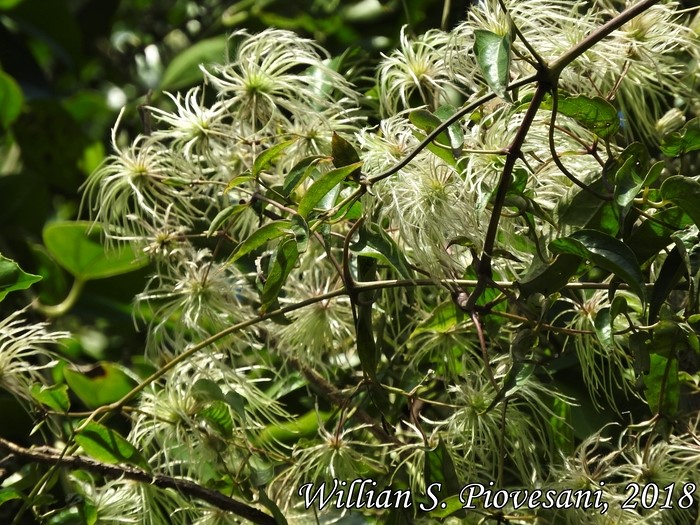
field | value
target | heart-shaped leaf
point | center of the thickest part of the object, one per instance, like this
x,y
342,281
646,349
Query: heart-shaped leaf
x,y
12,277
77,247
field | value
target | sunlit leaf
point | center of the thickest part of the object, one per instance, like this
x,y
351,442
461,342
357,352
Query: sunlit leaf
x,y
260,237
493,56
77,247
55,397
321,187
282,262
13,278
593,113
108,446
224,216
263,160
442,319
218,416
9,4
685,193
103,384
683,141
305,426
449,506
9,494
298,173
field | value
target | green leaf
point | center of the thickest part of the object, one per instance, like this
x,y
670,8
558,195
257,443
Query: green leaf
x,y
263,160
454,130
551,278
668,339
603,328
12,278
321,187
298,173
344,155
55,397
652,236
593,113
207,390
671,272
217,414
305,426
105,383
260,237
78,248
9,494
449,506
281,264
437,149
661,385
493,57
272,507
223,216
237,402
685,193
654,173
374,242
683,141
439,468
184,69
627,185
301,233
108,446
262,470
607,252
617,307
427,121
238,181
89,513
11,100
443,318
9,4
585,210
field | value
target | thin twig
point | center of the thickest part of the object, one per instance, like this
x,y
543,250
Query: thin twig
x,y
54,457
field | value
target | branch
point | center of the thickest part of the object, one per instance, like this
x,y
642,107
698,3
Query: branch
x,y
514,153
335,396
53,457
443,126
